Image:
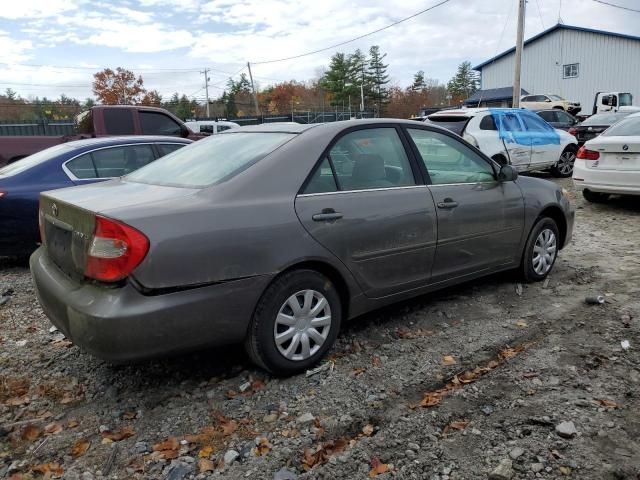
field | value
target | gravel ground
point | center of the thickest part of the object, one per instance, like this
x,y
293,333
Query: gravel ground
x,y
486,380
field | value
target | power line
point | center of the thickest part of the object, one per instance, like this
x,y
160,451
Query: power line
x,y
617,6
442,2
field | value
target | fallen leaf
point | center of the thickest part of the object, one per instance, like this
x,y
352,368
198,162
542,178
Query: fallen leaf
x,y
455,426
608,403
31,433
263,447
53,428
129,415
116,436
377,467
521,323
368,430
62,343
17,401
205,465
80,448
48,470
358,371
68,398
205,452
409,334
231,394
448,360
430,400
170,443
229,427
565,470
257,385
555,454
376,361
321,453
72,423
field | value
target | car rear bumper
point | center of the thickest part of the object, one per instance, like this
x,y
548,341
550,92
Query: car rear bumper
x,y
121,324
622,182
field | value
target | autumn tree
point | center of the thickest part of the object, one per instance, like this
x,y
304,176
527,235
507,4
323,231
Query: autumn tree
x,y
119,87
152,98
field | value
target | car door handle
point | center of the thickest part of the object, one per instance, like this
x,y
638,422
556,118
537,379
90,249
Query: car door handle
x,y
326,215
448,203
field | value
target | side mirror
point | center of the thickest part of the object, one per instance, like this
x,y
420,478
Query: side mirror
x,y
184,131
548,100
507,173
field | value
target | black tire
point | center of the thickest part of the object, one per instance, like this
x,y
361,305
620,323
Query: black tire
x,y
529,274
594,197
564,166
260,343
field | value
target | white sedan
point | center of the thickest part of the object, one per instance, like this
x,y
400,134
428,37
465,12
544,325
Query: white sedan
x,y
610,163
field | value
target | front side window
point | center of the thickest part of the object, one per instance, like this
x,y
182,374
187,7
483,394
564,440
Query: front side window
x,y
118,121
211,160
371,158
571,70
155,123
119,161
564,117
448,161
510,122
533,123
548,116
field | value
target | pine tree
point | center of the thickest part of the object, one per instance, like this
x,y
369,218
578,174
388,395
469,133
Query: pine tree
x,y
377,72
464,83
418,82
336,79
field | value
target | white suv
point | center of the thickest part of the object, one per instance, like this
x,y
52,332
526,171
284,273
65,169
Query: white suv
x,y
544,102
512,136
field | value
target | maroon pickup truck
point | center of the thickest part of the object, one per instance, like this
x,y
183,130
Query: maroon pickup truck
x,y
101,121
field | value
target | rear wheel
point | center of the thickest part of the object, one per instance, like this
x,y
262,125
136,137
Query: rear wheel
x,y
295,323
594,197
541,250
564,166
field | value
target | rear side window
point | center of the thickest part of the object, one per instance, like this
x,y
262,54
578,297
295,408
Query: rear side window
x,y
82,167
154,123
118,161
371,158
322,180
118,121
167,148
488,123
212,160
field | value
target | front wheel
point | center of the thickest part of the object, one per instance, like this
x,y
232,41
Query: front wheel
x,y
564,166
295,323
541,250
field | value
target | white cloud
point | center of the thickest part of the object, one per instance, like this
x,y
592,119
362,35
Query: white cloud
x,y
36,8
12,50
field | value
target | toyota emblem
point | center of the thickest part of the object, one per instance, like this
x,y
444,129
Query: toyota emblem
x,y
54,210
625,147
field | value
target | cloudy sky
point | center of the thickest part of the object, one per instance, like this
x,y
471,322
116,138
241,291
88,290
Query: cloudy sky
x,y
49,47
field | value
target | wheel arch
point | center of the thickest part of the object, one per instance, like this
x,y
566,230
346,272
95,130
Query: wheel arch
x,y
555,213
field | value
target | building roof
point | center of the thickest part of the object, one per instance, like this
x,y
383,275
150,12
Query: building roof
x,y
558,26
493,94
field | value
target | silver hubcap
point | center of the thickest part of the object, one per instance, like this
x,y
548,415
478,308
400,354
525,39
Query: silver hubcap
x,y
544,251
302,325
565,164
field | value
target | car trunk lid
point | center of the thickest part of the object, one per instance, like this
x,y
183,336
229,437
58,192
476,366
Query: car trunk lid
x,y
68,216
585,133
618,153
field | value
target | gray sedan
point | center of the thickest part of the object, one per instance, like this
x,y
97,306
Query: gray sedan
x,y
273,235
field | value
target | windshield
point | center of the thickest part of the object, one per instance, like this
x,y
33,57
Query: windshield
x,y
555,97
210,161
625,100
624,128
32,160
604,119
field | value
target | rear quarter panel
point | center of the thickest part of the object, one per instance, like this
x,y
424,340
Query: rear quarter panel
x,y
23,146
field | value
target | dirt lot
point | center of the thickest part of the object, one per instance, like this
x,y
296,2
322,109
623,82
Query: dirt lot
x,y
475,382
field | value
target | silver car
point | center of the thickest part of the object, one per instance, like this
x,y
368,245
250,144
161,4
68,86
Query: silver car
x,y
274,235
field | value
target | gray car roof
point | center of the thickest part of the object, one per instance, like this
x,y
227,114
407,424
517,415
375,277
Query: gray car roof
x,y
85,142
330,127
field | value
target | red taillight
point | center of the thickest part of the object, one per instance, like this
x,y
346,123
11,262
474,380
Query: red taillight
x,y
115,250
573,131
585,154
2,194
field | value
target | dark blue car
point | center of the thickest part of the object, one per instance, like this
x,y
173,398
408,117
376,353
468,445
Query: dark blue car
x,y
66,165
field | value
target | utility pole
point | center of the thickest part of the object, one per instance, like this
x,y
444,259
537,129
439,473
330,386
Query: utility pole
x,y
255,97
206,89
518,57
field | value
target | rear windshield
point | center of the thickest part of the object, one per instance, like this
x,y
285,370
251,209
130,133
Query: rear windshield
x,y
453,123
625,128
32,160
604,119
210,161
